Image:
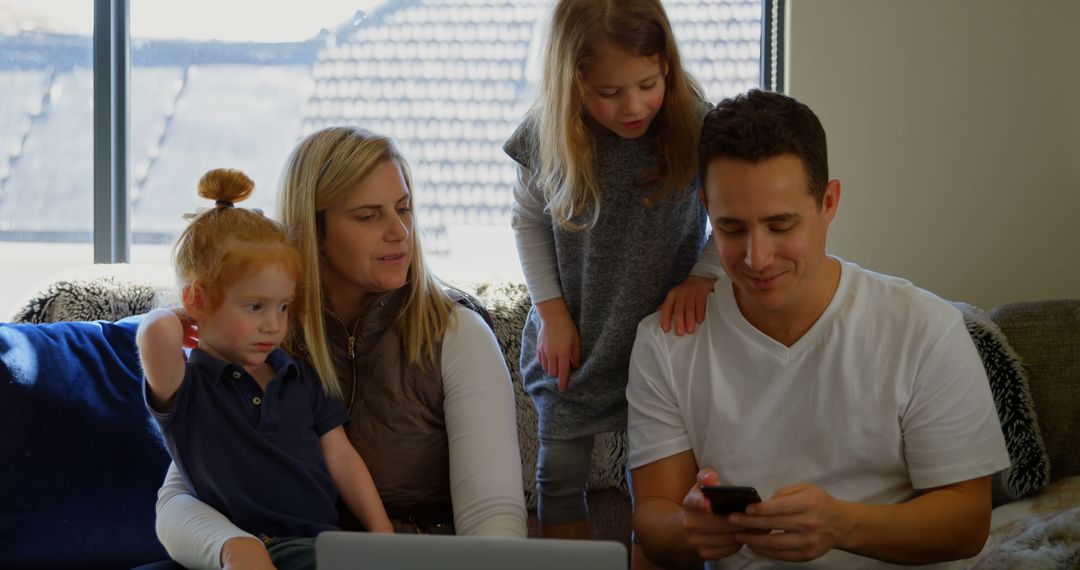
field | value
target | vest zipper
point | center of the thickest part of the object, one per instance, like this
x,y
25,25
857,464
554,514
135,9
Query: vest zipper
x,y
352,362
351,356
352,336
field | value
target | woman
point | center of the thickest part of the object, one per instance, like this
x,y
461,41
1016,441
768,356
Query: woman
x,y
421,376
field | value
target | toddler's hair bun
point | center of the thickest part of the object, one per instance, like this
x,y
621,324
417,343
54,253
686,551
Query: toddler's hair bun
x,y
225,185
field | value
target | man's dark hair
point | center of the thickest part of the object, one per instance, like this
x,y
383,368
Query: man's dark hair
x,y
759,125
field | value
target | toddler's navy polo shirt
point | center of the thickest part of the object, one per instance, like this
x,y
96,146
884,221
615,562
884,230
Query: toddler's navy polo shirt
x,y
255,456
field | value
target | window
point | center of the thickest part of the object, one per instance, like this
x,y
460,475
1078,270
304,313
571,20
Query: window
x,y
448,79
46,146
214,92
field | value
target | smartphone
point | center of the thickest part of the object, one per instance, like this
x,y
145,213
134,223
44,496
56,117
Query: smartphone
x,y
730,499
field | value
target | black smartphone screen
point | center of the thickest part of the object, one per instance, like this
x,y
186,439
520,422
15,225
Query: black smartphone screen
x,y
730,499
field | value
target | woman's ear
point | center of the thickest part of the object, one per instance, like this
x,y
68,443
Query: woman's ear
x,y
193,298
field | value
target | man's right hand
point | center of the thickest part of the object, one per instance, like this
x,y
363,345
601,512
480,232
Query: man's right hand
x,y
712,537
245,553
558,347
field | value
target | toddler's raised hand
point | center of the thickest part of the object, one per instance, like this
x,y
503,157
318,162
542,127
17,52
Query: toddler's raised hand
x,y
191,330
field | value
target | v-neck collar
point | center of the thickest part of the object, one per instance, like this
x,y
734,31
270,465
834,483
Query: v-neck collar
x,y
769,345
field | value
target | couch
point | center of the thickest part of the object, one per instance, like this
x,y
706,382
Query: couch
x,y
80,460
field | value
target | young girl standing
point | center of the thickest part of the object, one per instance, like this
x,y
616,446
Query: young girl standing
x,y
607,221
250,427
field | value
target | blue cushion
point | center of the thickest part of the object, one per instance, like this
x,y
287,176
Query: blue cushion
x,y
82,459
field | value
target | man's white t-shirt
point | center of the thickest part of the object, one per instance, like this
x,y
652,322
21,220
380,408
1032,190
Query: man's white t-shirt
x,y
884,395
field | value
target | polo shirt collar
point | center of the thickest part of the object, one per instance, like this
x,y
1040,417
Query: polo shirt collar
x,y
281,362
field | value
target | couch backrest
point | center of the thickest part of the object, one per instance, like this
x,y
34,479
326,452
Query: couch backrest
x,y
1045,334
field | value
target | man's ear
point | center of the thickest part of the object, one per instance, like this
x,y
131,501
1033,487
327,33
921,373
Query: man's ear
x,y
830,202
194,299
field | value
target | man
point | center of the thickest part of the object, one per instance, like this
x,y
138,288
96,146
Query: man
x,y
854,402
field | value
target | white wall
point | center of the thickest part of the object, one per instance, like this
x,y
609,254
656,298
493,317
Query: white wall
x,y
954,128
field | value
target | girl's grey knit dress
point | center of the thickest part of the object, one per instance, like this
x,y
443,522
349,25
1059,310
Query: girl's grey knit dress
x,y
611,276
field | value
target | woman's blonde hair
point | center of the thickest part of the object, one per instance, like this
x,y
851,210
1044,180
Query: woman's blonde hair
x,y
564,147
321,171
225,243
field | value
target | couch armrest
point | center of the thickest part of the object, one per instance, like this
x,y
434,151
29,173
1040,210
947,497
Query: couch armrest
x,y
1046,335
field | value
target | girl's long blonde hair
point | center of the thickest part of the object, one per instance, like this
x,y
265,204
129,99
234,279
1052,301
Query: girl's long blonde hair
x,y
564,147
324,168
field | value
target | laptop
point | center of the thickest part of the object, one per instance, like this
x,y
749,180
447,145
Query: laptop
x,y
339,550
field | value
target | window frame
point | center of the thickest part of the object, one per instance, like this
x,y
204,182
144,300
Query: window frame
x,y
773,34
112,79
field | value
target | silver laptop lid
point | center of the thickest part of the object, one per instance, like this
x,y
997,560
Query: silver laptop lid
x,y
336,550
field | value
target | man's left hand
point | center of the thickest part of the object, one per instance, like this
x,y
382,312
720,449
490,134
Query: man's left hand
x,y
804,520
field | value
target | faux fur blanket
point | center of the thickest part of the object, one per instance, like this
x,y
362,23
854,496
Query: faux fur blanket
x,y
99,292
1042,532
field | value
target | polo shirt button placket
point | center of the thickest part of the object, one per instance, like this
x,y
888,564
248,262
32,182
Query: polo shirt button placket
x,y
256,400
